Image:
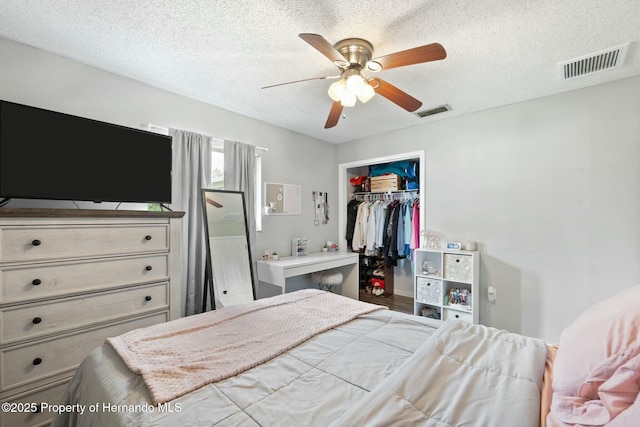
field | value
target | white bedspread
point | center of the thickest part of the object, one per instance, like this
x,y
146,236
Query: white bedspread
x,y
465,375
310,385
381,369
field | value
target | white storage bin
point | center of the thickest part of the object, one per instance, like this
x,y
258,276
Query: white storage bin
x,y
428,291
459,315
458,267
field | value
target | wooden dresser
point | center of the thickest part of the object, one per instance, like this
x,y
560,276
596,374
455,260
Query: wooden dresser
x,y
68,280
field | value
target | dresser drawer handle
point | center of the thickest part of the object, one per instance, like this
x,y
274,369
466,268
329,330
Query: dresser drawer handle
x,y
147,298
36,242
148,268
37,361
36,320
147,237
36,282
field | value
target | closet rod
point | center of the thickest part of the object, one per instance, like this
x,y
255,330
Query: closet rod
x,y
162,128
387,195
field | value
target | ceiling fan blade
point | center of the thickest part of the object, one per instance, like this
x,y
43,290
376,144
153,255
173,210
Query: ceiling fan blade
x,y
324,47
303,80
334,115
417,55
396,96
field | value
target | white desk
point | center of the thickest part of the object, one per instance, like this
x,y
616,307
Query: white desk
x,y
277,272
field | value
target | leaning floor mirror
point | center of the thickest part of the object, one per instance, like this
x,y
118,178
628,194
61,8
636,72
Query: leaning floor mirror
x,y
228,271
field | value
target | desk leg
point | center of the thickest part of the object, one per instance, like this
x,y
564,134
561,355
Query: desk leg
x,y
266,289
350,286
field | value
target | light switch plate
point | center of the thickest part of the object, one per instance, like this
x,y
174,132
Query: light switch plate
x,y
492,293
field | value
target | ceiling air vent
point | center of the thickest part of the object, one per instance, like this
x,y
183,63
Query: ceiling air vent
x,y
589,64
433,111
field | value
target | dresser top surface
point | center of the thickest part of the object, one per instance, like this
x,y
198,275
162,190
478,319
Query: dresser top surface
x,y
84,213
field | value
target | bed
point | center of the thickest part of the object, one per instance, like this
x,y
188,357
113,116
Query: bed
x,y
312,358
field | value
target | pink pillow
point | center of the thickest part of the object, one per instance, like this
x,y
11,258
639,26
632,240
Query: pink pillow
x,y
596,373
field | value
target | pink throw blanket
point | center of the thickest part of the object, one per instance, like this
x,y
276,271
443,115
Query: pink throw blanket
x,y
178,357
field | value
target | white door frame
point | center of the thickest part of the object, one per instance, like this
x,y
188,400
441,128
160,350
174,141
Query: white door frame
x,y
344,187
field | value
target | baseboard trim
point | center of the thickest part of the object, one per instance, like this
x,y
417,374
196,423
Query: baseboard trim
x,y
402,293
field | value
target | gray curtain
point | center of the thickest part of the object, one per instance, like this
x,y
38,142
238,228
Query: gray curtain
x,y
239,175
191,172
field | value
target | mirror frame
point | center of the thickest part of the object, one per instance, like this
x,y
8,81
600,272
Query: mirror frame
x,y
208,279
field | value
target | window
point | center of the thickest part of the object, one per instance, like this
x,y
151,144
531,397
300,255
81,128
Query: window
x,y
217,180
217,170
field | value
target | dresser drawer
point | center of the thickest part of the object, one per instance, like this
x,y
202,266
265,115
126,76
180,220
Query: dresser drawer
x,y
20,244
55,356
34,320
51,394
18,283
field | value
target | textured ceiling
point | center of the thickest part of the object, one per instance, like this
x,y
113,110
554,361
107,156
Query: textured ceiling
x,y
222,52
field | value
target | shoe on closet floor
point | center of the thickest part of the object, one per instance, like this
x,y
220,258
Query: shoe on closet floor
x,y
379,272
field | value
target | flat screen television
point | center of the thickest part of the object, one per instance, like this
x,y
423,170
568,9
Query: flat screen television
x,y
50,155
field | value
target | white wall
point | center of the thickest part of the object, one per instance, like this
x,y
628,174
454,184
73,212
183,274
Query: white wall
x,y
551,191
34,77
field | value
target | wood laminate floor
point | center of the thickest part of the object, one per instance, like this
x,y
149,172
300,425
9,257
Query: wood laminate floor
x,y
394,302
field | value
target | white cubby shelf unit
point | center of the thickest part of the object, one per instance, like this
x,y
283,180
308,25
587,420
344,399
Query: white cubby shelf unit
x,y
446,285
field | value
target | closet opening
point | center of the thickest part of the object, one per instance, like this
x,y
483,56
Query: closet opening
x,y
389,190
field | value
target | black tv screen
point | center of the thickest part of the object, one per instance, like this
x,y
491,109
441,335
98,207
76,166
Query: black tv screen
x,y
50,155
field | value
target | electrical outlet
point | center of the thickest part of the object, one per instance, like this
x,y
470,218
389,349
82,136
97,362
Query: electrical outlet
x,y
492,293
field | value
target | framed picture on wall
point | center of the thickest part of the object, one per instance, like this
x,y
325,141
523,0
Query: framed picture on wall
x,y
282,199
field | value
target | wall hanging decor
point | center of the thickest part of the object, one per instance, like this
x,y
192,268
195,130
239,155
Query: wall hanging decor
x,y
282,199
320,207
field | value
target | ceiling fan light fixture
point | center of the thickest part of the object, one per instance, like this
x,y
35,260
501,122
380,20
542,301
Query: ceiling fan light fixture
x,y
337,90
354,55
351,88
365,93
348,99
355,82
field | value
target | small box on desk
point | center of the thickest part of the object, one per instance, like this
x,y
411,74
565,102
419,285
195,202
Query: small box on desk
x,y
391,182
299,246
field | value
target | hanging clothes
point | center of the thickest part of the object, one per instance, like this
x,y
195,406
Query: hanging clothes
x,y
370,238
415,225
408,225
391,237
381,214
360,230
400,230
389,227
352,212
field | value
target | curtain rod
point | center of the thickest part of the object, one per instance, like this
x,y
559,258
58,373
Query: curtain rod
x,y
152,126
